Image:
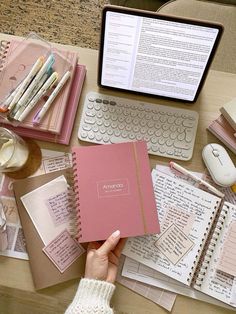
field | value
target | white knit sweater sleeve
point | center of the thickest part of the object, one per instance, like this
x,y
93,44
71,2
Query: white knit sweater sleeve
x,y
92,296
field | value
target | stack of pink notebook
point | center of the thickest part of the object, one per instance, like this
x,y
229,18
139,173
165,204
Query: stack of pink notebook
x,y
58,123
64,136
224,132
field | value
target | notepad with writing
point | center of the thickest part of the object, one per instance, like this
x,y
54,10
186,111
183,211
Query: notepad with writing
x,y
114,191
17,58
196,229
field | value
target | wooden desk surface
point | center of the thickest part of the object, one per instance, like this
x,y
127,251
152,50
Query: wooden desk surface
x,y
17,294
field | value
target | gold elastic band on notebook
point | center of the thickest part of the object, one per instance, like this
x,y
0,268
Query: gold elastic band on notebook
x,y
139,187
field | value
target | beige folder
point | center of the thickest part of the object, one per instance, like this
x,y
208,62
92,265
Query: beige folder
x,y
44,272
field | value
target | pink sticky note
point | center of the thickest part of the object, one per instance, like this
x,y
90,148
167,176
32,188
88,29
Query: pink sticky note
x,y
227,259
63,250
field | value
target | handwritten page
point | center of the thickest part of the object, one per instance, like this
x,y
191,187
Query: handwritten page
x,y
63,250
227,259
174,244
161,297
135,271
172,192
215,282
48,208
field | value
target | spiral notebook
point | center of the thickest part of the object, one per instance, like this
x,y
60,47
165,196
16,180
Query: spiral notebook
x,y
113,190
196,239
16,59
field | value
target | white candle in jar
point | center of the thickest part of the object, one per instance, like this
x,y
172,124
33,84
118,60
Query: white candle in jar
x,y
13,154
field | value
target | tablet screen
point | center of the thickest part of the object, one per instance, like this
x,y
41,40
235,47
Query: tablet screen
x,y
153,54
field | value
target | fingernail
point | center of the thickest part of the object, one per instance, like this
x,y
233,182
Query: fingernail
x,y
116,234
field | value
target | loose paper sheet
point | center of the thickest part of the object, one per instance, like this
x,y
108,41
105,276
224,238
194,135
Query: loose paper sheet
x,y
63,250
179,217
133,270
161,297
174,244
49,209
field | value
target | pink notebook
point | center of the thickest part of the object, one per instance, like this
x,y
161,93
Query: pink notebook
x,y
224,132
114,191
19,57
68,122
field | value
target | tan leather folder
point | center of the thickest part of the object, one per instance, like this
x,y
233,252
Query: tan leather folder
x,y
44,272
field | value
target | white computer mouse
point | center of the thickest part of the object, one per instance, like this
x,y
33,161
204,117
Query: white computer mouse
x,y
219,164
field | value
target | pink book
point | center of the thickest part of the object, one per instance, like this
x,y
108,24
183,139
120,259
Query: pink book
x,y
70,114
224,132
19,57
114,191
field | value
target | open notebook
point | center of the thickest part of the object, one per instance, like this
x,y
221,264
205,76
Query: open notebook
x,y
196,229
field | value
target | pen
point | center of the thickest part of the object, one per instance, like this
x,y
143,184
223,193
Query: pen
x,y
8,99
48,63
17,111
40,114
36,67
195,178
46,86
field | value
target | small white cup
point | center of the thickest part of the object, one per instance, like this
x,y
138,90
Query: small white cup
x,y
14,151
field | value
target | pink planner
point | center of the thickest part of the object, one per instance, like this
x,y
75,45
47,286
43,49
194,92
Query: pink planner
x,y
114,191
70,114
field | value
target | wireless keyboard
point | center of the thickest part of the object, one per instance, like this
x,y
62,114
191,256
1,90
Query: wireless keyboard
x,y
168,131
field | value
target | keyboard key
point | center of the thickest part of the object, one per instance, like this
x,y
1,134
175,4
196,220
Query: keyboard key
x,y
89,120
188,123
86,127
115,140
180,144
98,137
